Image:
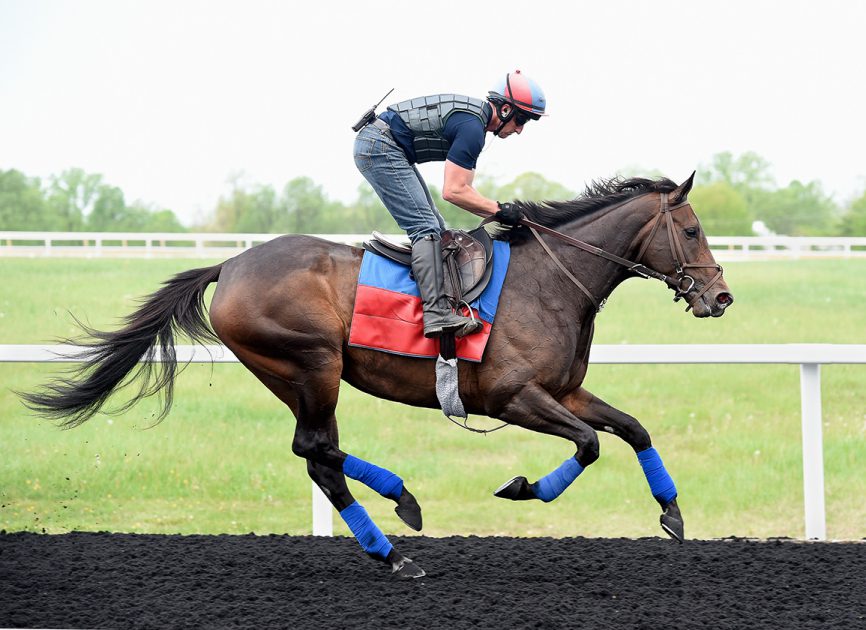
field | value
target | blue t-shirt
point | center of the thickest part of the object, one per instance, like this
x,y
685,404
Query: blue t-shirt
x,y
464,132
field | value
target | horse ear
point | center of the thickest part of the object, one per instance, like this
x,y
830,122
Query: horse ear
x,y
681,192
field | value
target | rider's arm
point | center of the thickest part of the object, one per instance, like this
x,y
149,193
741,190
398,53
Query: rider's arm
x,y
458,190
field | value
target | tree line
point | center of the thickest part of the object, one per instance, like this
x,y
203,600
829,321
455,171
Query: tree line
x,y
732,193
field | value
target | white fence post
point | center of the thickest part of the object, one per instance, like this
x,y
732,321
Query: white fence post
x,y
813,451
323,521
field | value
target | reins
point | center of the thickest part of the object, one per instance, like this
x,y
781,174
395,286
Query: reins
x,y
680,264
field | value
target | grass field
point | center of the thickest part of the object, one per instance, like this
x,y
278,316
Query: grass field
x,y
222,462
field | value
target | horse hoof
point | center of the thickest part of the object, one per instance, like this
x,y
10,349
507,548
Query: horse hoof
x,y
516,489
408,510
405,568
672,522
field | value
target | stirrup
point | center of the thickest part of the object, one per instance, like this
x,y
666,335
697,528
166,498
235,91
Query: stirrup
x,y
470,326
477,324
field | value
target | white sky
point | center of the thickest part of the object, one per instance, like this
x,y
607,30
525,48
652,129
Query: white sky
x,y
168,98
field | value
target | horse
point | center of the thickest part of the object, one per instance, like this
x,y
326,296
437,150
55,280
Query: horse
x,y
284,308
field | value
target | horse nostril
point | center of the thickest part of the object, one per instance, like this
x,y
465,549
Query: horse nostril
x,y
725,299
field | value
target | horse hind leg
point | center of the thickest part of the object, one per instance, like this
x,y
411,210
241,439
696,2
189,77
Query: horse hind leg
x,y
371,539
326,469
602,417
316,440
323,448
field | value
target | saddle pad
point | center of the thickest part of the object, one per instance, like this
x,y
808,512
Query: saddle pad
x,y
388,314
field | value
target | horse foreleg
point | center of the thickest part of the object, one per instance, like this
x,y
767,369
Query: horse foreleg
x,y
535,409
602,417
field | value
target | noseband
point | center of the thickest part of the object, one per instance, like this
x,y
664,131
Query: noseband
x,y
682,283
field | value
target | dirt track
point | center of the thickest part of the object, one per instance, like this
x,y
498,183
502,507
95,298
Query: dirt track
x,y
145,581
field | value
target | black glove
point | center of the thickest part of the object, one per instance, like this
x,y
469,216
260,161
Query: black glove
x,y
508,214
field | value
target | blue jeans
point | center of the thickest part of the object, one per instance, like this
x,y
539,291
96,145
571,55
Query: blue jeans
x,y
398,183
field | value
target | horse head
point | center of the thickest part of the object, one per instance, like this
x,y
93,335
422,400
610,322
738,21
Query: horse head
x,y
674,244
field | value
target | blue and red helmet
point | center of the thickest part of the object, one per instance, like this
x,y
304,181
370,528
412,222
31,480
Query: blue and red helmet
x,y
521,92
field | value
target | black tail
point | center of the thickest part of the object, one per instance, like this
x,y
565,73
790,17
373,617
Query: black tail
x,y
110,357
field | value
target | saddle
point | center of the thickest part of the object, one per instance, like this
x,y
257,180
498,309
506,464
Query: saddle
x,y
466,259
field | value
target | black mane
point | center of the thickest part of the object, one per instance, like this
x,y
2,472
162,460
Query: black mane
x,y
599,194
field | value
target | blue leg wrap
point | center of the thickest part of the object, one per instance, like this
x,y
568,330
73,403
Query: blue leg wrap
x,y
382,481
368,535
551,486
660,482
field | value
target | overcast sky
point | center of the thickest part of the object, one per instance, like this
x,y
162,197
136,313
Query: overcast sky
x,y
168,99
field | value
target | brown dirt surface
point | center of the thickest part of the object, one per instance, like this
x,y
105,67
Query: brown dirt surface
x,y
102,580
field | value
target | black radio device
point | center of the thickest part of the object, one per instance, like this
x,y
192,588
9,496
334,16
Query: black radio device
x,y
369,115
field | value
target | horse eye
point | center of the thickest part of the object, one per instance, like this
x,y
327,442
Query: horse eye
x,y
691,232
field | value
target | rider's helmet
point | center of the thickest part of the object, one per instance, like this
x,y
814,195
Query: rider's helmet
x,y
522,93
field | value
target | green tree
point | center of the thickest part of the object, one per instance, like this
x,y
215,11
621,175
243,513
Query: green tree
x,y
245,210
748,170
225,215
75,200
534,187
109,211
259,212
303,206
854,221
749,174
141,217
163,221
721,209
368,213
71,196
111,214
22,205
798,210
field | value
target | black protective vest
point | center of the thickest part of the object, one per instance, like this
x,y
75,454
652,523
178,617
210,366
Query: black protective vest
x,y
426,117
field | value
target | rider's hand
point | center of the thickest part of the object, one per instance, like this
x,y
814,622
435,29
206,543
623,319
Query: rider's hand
x,y
508,214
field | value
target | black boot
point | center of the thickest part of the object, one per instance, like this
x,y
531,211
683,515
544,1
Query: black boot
x,y
427,268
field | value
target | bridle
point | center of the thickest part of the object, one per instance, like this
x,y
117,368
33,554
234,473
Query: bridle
x,y
681,282
679,256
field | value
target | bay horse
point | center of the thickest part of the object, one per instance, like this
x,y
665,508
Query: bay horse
x,y
284,308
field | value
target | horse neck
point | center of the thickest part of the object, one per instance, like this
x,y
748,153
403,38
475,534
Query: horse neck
x,y
616,230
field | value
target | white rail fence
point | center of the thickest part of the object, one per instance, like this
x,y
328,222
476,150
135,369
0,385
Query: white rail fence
x,y
810,358
212,245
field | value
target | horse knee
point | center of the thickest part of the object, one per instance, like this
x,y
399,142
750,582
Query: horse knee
x,y
588,450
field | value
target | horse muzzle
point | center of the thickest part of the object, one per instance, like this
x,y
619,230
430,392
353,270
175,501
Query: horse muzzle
x,y
711,303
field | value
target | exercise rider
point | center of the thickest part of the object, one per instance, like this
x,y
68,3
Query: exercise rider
x,y
450,128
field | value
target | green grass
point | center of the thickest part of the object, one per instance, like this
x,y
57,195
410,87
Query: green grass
x,y
222,461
